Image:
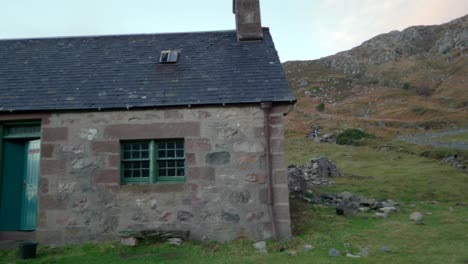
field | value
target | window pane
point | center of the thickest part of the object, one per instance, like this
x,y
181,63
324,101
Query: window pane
x,y
180,144
170,145
171,172
135,155
162,164
127,173
162,153
144,146
170,164
180,164
180,153
127,155
145,164
136,173
145,173
180,172
170,153
161,172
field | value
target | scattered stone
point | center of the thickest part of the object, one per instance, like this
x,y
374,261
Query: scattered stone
x,y
308,247
364,252
292,253
364,209
352,256
450,208
428,213
334,253
175,241
420,222
380,215
416,216
130,241
387,210
260,247
347,208
385,249
368,202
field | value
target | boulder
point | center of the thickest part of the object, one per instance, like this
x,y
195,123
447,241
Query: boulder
x,y
416,216
260,247
347,208
130,241
334,253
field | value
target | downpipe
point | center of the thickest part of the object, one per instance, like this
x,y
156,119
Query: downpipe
x,y
266,106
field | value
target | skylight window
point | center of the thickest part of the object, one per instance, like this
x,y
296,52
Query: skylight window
x,y
169,56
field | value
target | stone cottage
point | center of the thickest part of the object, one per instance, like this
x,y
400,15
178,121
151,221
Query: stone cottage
x,y
179,131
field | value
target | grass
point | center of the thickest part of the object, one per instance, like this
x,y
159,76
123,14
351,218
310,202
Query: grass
x,y
452,138
398,173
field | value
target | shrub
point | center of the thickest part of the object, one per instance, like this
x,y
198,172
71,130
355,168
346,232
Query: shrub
x,y
406,86
351,136
321,107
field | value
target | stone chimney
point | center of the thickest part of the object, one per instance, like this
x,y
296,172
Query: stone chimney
x,y
248,24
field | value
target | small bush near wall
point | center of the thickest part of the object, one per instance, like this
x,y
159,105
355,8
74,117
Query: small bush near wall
x,y
352,136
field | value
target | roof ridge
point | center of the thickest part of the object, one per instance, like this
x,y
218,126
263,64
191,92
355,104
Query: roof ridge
x,y
125,35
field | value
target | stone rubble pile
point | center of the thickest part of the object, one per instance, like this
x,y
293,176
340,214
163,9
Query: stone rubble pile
x,y
317,172
303,179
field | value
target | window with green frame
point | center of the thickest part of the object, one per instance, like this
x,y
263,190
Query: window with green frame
x,y
151,161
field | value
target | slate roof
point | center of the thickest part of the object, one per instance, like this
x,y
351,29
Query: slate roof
x,y
122,71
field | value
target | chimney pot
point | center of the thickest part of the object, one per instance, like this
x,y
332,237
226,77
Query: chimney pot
x,y
248,19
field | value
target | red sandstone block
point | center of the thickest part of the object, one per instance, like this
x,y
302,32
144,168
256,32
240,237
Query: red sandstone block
x,y
43,185
50,202
107,176
47,150
113,161
191,159
257,177
201,173
281,194
282,212
54,133
276,120
277,146
278,161
150,131
52,167
280,176
277,132
197,144
105,146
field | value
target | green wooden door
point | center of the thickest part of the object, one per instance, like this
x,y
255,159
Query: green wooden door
x,y
18,207
30,184
12,185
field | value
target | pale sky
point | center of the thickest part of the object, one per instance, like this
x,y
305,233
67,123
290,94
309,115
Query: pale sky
x,y
302,29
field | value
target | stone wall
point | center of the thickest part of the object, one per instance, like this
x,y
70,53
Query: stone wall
x,y
223,197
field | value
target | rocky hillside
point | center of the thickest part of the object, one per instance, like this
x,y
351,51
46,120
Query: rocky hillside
x,y
411,79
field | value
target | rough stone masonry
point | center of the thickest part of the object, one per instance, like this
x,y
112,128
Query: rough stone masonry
x,y
224,195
